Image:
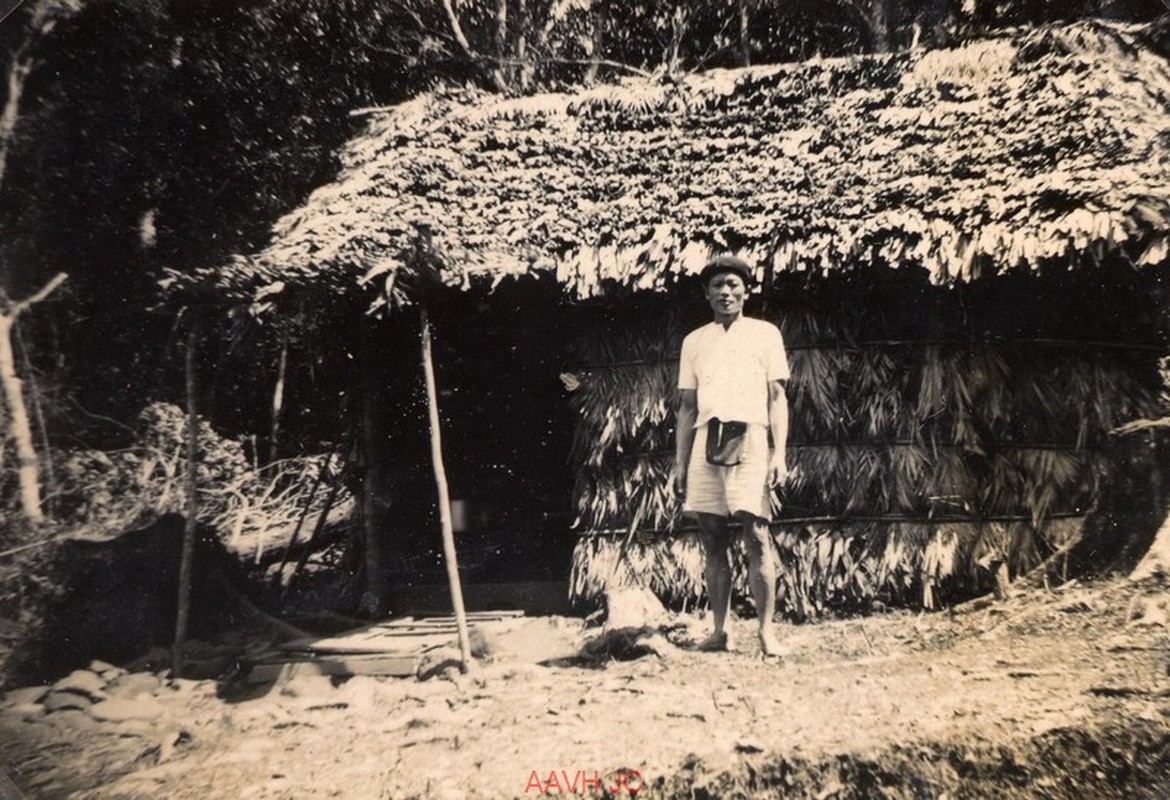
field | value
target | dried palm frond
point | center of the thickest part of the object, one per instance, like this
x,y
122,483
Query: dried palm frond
x,y
671,567
899,559
943,558
909,469
923,459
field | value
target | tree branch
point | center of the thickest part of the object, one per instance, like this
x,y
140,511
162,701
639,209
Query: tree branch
x,y
465,45
1140,425
456,28
45,291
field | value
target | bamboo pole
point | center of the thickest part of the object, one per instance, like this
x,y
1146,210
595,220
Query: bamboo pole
x,y
444,498
188,552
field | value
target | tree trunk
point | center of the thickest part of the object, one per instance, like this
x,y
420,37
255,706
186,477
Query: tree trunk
x,y
502,40
598,25
523,24
26,454
18,420
494,73
375,503
46,465
883,25
17,74
678,31
41,16
745,42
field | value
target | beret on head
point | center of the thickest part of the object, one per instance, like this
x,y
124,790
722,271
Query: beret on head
x,y
722,264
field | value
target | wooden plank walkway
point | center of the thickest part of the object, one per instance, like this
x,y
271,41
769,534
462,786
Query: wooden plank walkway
x,y
393,648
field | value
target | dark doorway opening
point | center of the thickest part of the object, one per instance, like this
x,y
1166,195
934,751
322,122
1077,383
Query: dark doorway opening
x,y
507,431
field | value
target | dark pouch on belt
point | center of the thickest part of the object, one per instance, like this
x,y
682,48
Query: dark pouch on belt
x,y
725,441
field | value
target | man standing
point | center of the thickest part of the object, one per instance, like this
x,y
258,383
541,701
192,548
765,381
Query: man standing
x,y
731,383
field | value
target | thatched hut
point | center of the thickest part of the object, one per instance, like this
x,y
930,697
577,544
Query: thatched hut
x,y
966,251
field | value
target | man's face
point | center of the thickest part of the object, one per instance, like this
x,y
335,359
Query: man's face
x,y
726,292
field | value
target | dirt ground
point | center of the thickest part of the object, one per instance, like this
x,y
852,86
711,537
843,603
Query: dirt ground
x,y
1057,694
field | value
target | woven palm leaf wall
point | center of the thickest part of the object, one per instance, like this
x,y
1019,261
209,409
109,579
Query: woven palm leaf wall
x,y
935,434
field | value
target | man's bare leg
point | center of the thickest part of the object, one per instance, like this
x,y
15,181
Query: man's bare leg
x,y
717,571
757,540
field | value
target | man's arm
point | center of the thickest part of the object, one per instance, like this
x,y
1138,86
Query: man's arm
x,y
684,437
778,421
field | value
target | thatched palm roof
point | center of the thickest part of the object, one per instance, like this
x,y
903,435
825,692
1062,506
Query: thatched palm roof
x,y
1035,146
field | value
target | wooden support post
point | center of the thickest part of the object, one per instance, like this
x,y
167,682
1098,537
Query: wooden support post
x,y
189,528
278,394
1157,490
444,498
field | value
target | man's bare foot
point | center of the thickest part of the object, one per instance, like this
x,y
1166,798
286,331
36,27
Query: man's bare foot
x,y
769,644
718,642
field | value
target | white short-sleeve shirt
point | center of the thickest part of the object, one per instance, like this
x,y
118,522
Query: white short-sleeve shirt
x,y
730,369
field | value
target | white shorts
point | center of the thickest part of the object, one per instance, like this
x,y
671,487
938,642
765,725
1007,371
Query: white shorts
x,y
726,490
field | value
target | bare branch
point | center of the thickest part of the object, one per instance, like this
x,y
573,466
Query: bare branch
x,y
1140,425
460,37
11,11
45,291
457,29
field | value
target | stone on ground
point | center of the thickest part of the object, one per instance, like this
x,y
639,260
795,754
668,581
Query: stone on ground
x,y
26,695
82,681
105,669
119,709
632,607
60,701
133,684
